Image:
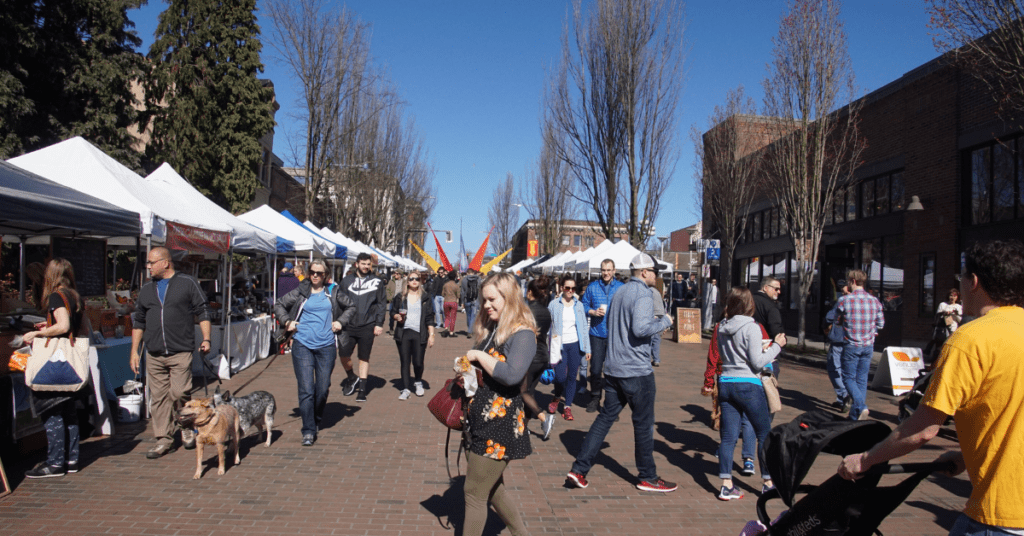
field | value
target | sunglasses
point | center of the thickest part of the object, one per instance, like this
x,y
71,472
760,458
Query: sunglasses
x,y
777,289
414,279
318,273
567,287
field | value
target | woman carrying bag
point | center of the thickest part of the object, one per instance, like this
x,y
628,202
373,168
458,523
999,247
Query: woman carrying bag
x,y
569,320
413,314
740,391
316,315
59,409
505,343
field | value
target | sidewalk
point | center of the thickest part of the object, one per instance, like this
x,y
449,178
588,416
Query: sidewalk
x,y
378,468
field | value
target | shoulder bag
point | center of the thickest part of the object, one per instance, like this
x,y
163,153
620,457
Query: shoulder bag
x,y
771,391
58,363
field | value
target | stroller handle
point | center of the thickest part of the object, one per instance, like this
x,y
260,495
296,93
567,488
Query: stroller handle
x,y
886,469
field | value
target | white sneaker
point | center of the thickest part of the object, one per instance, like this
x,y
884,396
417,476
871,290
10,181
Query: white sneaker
x,y
419,388
405,394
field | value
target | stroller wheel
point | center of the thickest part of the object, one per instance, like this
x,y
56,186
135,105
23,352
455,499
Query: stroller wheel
x,y
905,411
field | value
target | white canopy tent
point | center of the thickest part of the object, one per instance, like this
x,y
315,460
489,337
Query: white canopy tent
x,y
268,219
557,260
243,235
570,263
78,164
621,253
582,262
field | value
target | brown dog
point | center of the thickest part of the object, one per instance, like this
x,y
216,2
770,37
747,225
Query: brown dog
x,y
215,426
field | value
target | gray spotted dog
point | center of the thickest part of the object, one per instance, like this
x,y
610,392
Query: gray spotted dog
x,y
257,408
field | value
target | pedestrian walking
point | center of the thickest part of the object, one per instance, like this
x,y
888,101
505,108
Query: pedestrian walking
x,y
767,311
470,290
414,331
436,284
396,286
451,294
165,314
947,319
837,342
315,313
862,320
505,345
629,378
595,301
710,301
286,280
740,392
570,324
62,307
976,381
367,292
536,298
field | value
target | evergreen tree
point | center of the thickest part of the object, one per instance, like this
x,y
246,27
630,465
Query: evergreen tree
x,y
66,69
208,109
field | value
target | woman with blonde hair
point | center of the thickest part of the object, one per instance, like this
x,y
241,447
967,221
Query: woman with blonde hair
x,y
413,314
63,309
505,343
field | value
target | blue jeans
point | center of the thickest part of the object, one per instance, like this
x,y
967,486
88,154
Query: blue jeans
x,y
639,393
965,526
438,311
833,364
856,362
598,350
736,399
749,438
313,369
656,348
470,315
565,372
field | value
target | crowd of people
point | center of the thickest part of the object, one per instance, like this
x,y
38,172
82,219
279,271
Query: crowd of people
x,y
604,334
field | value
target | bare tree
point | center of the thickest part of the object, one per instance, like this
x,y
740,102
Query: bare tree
x,y
613,100
816,147
547,194
504,214
727,168
327,50
987,39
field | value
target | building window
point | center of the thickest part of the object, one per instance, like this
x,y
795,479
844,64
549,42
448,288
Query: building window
x,y
577,240
840,206
867,199
995,179
851,203
757,226
897,197
1002,181
927,301
565,240
980,199
882,195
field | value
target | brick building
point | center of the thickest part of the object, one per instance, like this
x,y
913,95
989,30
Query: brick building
x,y
576,235
934,134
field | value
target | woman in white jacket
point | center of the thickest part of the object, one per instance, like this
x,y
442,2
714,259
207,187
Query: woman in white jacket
x,y
744,355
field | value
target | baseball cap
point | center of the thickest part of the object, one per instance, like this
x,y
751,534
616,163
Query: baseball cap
x,y
841,283
641,261
289,265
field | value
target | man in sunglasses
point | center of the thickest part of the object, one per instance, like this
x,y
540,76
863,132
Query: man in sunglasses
x,y
766,310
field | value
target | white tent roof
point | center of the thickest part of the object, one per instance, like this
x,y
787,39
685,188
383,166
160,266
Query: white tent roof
x,y
553,261
582,262
621,253
243,235
570,263
78,164
268,219
516,266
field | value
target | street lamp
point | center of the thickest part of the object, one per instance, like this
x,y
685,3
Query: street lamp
x,y
663,239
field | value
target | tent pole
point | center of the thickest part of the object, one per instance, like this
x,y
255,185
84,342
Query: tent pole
x,y
149,247
21,268
226,338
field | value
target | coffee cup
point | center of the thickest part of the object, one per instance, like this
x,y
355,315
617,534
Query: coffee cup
x,y
603,308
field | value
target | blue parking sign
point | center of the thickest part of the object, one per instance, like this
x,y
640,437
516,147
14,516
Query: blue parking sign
x,y
714,250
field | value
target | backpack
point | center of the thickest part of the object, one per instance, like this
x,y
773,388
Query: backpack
x,y
472,291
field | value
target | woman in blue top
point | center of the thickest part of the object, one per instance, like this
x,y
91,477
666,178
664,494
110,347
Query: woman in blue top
x,y
315,314
569,323
740,392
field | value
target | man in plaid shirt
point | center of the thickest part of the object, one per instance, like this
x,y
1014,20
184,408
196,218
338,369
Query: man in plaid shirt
x,y
862,318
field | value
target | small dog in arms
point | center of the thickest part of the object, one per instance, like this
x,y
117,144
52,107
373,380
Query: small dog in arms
x,y
214,425
257,409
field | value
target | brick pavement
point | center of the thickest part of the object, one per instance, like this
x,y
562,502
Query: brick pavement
x,y
377,469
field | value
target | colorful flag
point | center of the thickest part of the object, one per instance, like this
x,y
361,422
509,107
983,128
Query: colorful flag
x,y
463,259
440,251
434,265
478,259
487,267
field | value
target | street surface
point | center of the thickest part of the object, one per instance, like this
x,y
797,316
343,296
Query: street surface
x,y
378,468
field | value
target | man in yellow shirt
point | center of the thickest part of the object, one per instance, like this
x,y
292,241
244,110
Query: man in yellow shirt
x,y
978,380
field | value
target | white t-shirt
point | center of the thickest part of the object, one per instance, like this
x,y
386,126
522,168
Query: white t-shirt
x,y
569,334
412,313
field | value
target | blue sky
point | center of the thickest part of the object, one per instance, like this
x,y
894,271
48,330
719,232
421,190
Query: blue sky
x,y
473,73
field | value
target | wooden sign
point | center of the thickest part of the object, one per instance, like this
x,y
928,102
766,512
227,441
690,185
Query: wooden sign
x,y
687,326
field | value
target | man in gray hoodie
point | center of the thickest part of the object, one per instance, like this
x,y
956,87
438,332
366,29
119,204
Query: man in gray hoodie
x,y
629,378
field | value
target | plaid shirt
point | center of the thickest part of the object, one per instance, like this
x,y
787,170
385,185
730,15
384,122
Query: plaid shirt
x,y
862,317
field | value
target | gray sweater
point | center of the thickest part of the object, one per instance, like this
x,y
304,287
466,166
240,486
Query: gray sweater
x,y
631,323
739,342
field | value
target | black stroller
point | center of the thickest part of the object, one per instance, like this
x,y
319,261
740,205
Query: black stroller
x,y
837,506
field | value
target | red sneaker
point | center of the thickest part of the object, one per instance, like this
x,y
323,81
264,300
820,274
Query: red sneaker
x,y
553,406
657,485
578,480
567,414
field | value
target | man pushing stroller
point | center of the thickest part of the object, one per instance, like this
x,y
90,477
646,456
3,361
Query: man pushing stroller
x,y
978,381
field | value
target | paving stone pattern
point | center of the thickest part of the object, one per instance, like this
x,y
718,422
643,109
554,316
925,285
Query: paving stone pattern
x,y
378,468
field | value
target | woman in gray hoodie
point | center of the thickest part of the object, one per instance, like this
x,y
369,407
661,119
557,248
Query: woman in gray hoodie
x,y
744,354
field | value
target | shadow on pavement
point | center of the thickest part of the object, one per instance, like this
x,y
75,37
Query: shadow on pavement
x,y
943,516
573,441
698,465
450,509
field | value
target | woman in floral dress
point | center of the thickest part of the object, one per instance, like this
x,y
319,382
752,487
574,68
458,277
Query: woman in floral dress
x,y
506,342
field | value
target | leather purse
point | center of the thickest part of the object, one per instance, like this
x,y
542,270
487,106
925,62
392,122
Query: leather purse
x,y
446,405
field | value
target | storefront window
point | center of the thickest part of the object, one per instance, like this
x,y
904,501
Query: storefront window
x,y
840,209
882,195
1002,181
980,194
851,203
867,204
775,222
892,274
897,200
927,306
757,226
871,259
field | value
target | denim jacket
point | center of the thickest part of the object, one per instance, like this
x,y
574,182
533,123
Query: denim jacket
x,y
556,307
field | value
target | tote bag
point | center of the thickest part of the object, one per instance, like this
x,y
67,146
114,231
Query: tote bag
x,y
58,363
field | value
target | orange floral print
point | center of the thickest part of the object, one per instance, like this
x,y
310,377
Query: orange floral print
x,y
520,423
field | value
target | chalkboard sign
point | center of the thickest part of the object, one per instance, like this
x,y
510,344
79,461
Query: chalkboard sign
x,y
89,258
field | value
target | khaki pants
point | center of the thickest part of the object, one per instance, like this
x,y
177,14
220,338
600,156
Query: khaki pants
x,y
170,380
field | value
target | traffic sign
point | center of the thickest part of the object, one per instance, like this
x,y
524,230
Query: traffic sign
x,y
714,250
